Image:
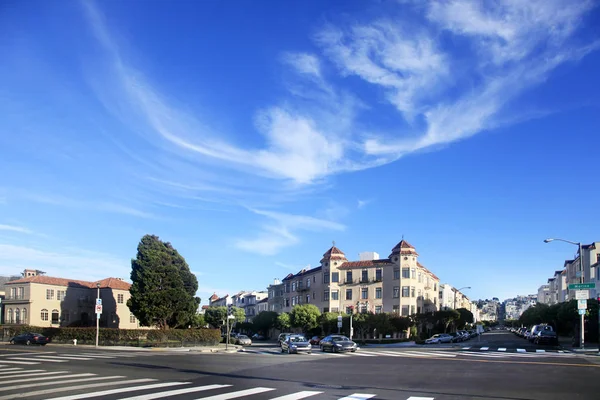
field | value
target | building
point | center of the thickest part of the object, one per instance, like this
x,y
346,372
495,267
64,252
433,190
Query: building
x,y
40,300
248,301
543,294
216,301
398,284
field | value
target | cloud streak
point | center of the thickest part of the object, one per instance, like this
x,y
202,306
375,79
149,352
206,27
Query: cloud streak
x,y
13,228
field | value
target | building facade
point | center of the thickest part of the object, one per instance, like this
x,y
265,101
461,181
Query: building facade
x,y
40,300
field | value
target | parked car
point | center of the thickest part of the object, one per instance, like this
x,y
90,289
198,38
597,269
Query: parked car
x,y
257,336
243,340
315,340
30,338
546,337
456,337
337,343
439,338
296,344
537,329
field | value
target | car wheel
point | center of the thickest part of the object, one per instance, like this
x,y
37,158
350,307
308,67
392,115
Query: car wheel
x,y
12,341
282,350
334,349
322,348
310,352
28,342
354,351
42,344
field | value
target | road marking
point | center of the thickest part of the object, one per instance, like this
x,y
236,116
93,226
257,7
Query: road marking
x,y
11,370
96,355
38,358
175,392
96,378
19,362
442,353
25,374
358,396
363,354
540,350
466,348
297,396
71,358
420,398
27,354
501,348
521,351
110,391
234,395
485,348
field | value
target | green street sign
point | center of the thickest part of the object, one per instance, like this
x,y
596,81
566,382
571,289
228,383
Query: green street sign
x,y
576,286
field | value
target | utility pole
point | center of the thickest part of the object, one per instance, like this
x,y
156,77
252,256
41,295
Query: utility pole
x,y
97,313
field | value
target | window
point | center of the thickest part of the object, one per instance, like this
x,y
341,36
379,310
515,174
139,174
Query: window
x,y
326,277
17,316
412,310
406,273
21,293
293,286
314,295
13,293
131,318
396,309
378,309
335,277
49,294
307,298
396,292
293,301
363,308
348,276
44,315
420,277
314,279
10,316
335,295
364,293
24,315
348,294
287,302
378,293
396,273
326,295
287,287
405,291
365,276
120,299
325,309
420,294
405,311
413,273
378,274
412,291
308,282
61,294
55,316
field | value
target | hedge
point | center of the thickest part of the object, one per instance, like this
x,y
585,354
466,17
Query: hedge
x,y
123,337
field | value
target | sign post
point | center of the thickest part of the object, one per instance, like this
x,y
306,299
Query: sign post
x,y
98,311
339,323
580,287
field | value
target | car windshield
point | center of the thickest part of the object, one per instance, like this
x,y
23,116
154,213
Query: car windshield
x,y
243,337
340,338
297,339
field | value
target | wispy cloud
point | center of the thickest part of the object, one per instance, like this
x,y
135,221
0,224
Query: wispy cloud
x,y
304,63
281,231
70,263
13,228
363,203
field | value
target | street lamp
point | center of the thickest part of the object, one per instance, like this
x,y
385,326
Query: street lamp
x,y
581,279
97,314
458,290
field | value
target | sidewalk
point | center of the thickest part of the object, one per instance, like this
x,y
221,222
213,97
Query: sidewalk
x,y
220,348
590,349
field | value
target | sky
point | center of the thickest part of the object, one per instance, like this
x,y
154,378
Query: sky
x,y
251,135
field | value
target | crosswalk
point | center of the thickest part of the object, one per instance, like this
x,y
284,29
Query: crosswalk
x,y
35,358
450,353
38,384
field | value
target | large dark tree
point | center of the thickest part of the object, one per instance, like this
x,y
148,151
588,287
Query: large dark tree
x,y
163,290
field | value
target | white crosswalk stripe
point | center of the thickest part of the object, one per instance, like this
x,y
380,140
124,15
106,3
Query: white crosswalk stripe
x,y
47,359
176,392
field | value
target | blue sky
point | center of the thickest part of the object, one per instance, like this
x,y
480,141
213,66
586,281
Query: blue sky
x,y
252,134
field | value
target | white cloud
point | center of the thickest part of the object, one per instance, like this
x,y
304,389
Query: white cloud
x,y
281,230
70,263
304,63
362,203
13,228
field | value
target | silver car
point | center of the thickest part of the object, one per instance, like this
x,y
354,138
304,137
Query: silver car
x,y
296,344
243,340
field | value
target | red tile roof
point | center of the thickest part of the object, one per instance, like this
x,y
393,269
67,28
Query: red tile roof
x,y
363,264
214,297
110,283
205,307
333,254
403,245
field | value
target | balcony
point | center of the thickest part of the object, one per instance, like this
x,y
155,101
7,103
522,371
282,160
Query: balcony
x,y
302,288
16,297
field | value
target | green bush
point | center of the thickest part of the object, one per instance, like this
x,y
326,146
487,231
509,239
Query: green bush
x,y
123,337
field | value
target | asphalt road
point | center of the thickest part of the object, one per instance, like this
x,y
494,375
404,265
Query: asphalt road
x,y
498,366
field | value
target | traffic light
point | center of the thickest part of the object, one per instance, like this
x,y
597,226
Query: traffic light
x,y
230,309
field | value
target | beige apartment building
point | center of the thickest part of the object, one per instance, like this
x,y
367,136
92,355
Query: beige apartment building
x,y
40,300
398,284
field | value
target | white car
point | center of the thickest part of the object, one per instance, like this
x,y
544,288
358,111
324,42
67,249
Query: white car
x,y
439,338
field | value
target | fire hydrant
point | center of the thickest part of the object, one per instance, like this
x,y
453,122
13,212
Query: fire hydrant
x,y
74,342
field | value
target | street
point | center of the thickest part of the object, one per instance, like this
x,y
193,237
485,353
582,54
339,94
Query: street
x,y
498,366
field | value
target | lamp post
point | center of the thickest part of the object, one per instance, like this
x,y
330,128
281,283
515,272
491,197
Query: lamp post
x,y
581,279
458,290
97,314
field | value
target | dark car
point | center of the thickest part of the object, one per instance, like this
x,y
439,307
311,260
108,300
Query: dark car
x,y
315,340
337,343
30,338
546,337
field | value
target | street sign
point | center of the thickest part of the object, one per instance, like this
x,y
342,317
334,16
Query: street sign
x,y
339,324
98,302
577,286
339,318
582,294
582,312
582,304
230,317
99,309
